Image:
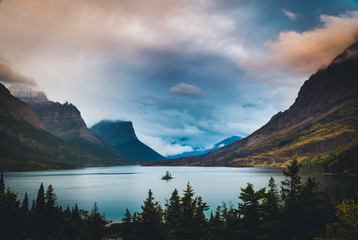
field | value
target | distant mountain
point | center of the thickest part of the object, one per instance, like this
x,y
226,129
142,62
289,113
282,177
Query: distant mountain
x,y
320,128
65,122
202,150
122,136
24,145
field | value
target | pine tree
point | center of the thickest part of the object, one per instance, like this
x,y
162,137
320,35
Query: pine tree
x,y
2,183
50,200
290,192
291,186
25,204
96,222
151,218
271,211
127,224
75,216
40,200
173,215
251,211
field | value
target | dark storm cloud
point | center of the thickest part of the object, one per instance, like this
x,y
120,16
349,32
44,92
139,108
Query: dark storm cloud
x,y
10,76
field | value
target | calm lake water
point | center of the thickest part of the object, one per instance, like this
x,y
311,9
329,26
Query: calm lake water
x,y
117,188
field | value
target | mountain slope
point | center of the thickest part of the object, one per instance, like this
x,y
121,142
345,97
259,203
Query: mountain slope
x,y
65,122
122,136
322,122
24,145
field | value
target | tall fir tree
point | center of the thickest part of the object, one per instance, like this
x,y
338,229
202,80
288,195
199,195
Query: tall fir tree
x,y
151,218
251,211
40,200
50,200
25,203
173,215
2,183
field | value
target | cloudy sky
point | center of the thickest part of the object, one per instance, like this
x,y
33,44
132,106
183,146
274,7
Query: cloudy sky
x,y
200,69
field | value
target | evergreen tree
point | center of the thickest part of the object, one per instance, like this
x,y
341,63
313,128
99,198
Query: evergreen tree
x,y
200,219
39,222
50,200
151,218
271,212
11,220
25,204
40,200
127,225
291,186
2,183
173,215
96,223
251,211
75,215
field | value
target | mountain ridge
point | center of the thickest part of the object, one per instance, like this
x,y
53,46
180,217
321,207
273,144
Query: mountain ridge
x,y
25,145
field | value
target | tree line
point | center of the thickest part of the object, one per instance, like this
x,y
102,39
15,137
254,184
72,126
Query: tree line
x,y
297,211
44,219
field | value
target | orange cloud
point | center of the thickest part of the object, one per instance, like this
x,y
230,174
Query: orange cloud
x,y
305,53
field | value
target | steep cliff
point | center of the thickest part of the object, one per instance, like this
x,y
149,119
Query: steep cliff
x,y
122,136
65,122
322,122
24,145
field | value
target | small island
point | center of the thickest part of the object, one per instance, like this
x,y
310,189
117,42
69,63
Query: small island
x,y
167,176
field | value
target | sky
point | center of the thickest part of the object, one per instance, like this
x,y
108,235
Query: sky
x,y
200,70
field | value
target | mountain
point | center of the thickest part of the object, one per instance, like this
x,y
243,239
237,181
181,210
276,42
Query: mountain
x,y
320,128
65,122
122,136
25,145
201,150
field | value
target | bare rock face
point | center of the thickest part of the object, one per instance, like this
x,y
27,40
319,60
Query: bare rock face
x,y
65,121
17,108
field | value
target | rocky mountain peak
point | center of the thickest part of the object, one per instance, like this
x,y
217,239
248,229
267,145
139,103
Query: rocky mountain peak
x,y
28,95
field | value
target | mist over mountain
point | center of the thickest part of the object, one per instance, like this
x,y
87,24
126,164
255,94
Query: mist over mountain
x,y
320,128
198,150
122,136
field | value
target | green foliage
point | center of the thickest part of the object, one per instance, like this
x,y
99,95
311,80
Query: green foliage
x,y
151,218
345,225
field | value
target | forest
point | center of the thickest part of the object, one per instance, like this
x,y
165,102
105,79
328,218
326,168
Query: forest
x,y
298,210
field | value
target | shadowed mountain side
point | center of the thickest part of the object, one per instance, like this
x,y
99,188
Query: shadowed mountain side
x,y
321,123
122,136
65,122
24,146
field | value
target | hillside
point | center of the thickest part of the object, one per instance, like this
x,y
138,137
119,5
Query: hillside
x,y
318,128
24,145
65,121
122,136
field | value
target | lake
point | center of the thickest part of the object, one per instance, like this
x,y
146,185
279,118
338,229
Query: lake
x,y
120,187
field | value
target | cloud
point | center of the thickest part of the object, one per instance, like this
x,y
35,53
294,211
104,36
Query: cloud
x,y
305,53
163,147
292,16
187,90
10,76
